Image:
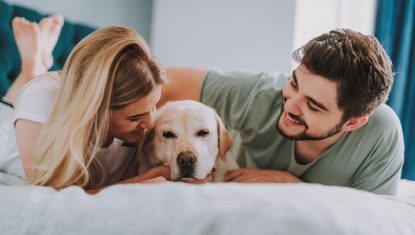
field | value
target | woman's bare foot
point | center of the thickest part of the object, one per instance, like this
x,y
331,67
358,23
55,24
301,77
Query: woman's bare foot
x,y
29,43
50,28
28,40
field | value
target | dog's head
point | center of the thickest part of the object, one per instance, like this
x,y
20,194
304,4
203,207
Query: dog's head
x,y
189,137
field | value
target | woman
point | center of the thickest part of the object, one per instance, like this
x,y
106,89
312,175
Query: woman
x,y
76,127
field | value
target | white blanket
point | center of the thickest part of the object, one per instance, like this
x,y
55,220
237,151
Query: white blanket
x,y
177,208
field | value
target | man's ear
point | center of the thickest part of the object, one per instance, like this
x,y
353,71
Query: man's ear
x,y
355,123
225,141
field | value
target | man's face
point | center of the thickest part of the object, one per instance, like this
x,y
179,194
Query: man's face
x,y
310,110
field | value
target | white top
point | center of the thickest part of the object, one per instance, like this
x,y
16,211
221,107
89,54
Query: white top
x,y
35,104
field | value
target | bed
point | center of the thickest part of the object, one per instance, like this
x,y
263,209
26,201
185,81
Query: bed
x,y
223,208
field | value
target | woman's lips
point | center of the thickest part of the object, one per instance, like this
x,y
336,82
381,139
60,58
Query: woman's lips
x,y
138,132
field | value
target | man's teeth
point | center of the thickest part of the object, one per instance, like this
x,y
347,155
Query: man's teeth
x,y
293,120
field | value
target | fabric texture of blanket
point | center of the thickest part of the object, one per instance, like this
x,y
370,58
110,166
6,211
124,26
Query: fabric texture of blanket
x,y
224,208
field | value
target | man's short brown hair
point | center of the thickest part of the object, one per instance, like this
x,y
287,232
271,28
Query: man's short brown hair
x,y
357,62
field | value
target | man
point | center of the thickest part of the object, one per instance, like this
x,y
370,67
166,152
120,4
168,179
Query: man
x,y
326,123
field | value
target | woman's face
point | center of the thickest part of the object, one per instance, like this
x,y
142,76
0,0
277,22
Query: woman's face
x,y
129,123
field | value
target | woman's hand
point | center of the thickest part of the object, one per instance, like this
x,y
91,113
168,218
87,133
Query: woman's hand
x,y
208,179
157,171
158,179
161,171
156,174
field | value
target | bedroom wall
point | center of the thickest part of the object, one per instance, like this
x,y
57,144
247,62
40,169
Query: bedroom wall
x,y
132,13
315,17
253,35
233,34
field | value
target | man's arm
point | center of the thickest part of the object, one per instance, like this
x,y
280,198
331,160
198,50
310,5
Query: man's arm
x,y
250,175
183,84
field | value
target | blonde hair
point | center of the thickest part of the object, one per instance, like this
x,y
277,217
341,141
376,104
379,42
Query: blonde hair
x,y
108,70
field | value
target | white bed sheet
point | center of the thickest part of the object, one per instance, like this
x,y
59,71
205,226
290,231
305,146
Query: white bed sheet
x,y
177,208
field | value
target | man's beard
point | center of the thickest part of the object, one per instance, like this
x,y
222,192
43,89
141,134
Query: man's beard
x,y
304,135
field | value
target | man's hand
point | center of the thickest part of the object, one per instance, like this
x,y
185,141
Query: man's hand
x,y
249,175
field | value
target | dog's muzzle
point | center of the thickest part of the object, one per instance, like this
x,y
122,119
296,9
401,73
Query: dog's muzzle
x,y
186,162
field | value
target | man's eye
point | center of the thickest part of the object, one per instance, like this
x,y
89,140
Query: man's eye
x,y
311,107
169,135
202,133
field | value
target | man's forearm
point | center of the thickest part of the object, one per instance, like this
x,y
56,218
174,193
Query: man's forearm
x,y
290,178
250,175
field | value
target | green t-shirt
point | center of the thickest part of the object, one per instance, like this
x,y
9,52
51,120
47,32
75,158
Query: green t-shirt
x,y
369,158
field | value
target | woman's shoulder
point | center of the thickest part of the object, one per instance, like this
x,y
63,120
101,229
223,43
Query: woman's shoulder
x,y
42,87
46,81
36,98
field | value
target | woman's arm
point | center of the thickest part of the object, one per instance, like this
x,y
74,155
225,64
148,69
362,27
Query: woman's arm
x,y
156,174
27,133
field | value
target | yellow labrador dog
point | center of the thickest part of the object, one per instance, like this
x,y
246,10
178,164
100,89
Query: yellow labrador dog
x,y
191,139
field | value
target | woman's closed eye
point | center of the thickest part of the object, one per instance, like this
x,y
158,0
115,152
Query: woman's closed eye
x,y
136,119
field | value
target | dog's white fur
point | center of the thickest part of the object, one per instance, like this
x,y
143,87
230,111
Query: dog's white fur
x,y
192,127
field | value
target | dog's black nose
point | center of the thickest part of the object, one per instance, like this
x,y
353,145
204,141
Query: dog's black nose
x,y
186,159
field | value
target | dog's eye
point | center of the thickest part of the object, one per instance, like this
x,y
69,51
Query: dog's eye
x,y
202,133
169,135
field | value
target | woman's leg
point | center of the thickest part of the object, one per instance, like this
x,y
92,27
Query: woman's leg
x,y
35,43
50,29
28,40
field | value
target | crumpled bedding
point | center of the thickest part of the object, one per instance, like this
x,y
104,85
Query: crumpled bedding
x,y
223,208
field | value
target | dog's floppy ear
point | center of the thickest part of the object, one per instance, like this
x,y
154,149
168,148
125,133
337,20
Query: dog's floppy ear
x,y
225,141
143,148
147,141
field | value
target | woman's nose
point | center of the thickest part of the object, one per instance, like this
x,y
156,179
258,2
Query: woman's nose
x,y
147,121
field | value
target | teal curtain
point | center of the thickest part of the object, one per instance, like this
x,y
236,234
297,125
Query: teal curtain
x,y
395,29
